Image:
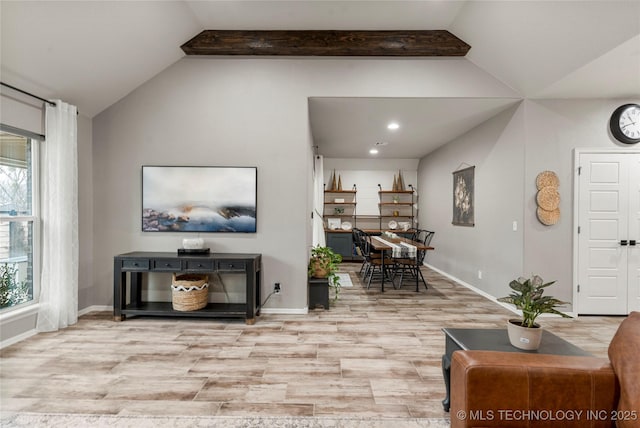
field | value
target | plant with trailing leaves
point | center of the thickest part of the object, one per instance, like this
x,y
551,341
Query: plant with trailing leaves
x,y
528,296
12,292
324,263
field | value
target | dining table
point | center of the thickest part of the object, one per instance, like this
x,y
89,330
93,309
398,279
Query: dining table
x,y
385,243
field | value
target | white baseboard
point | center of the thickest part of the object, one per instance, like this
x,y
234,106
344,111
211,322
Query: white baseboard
x,y
284,311
32,311
474,289
277,311
95,308
18,338
490,297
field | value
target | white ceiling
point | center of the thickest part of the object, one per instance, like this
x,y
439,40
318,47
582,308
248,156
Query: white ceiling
x,y
349,127
93,53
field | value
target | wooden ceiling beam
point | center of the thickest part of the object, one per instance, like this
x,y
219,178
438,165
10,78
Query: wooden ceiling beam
x,y
326,43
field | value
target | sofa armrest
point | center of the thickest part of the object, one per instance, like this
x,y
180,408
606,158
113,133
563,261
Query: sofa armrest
x,y
513,389
623,354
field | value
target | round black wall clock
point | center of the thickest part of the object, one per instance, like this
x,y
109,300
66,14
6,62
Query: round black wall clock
x,y
625,123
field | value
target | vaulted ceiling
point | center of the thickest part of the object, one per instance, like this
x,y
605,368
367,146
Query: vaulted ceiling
x,y
93,53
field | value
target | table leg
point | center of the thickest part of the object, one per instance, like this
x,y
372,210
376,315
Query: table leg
x,y
393,280
136,289
446,374
382,268
417,274
118,278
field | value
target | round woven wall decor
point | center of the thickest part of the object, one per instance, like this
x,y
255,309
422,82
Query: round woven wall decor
x,y
548,218
546,179
548,198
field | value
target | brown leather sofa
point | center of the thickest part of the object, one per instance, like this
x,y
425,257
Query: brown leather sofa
x,y
511,389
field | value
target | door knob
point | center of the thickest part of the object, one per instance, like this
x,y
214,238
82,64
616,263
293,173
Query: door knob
x,y
632,242
623,242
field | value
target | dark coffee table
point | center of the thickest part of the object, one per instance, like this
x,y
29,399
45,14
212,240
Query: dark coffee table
x,y
495,339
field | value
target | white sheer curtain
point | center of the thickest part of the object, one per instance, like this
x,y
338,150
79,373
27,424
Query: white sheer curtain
x,y
318,201
59,176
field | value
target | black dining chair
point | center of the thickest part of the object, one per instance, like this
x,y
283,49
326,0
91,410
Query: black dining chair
x,y
374,262
410,267
357,235
412,233
360,240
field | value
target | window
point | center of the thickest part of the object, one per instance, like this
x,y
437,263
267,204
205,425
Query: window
x,y
18,219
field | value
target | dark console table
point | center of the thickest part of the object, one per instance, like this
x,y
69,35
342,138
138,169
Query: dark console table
x,y
139,262
495,339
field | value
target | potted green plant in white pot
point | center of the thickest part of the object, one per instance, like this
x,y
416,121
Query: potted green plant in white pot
x,y
527,295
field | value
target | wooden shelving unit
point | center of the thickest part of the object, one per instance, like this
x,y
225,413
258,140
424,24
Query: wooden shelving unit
x,y
398,206
393,205
340,204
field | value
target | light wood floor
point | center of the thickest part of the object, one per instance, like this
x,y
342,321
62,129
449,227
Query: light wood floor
x,y
371,354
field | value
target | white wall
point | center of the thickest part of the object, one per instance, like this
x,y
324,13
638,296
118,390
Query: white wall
x,y
509,151
86,198
496,149
212,111
21,112
554,128
204,111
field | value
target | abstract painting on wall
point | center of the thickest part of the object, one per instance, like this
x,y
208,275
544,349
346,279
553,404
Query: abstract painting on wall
x,y
199,199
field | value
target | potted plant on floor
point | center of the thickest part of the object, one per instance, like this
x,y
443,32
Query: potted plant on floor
x,y
324,263
528,296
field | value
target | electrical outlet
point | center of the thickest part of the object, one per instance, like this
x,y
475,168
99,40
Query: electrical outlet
x,y
479,274
276,288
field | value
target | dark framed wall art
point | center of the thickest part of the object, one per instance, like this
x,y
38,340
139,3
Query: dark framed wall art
x,y
199,199
463,197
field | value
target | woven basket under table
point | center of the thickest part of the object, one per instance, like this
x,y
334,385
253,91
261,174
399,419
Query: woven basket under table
x,y
189,292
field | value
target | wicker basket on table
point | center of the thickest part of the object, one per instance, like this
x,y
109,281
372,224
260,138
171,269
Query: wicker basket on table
x,y
189,292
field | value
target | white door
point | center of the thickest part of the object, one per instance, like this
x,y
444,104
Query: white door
x,y
634,234
608,220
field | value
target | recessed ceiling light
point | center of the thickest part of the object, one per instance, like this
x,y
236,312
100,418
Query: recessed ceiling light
x,y
393,126
373,151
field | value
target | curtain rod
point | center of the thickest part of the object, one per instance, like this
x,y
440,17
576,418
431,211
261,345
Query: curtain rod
x,y
51,103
